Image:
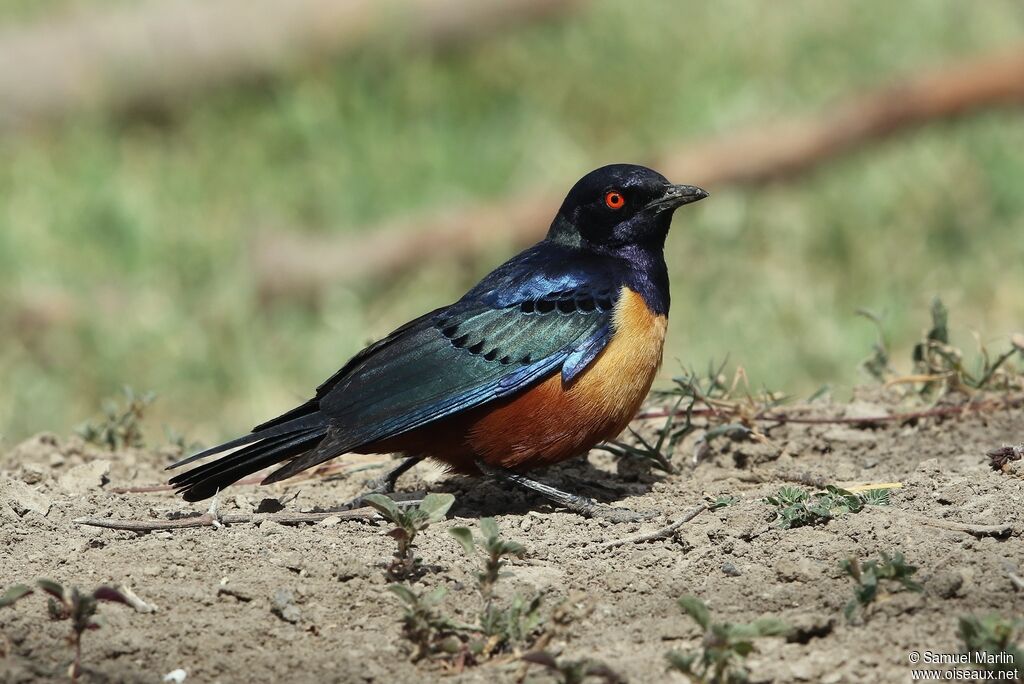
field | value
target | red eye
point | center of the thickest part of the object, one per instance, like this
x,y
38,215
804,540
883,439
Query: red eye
x,y
614,200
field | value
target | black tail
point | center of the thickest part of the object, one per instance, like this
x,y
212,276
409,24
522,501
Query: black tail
x,y
271,446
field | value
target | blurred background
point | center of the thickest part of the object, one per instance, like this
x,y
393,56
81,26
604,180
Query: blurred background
x,y
221,201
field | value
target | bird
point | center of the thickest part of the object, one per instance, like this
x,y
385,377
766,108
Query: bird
x,y
550,354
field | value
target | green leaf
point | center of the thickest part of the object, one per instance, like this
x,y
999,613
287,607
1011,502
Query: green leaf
x,y
876,497
404,593
465,537
696,609
791,495
51,588
385,505
436,505
769,626
677,660
729,500
489,527
13,594
57,610
435,596
940,322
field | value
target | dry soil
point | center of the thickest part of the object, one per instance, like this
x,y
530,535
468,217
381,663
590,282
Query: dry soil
x,y
263,602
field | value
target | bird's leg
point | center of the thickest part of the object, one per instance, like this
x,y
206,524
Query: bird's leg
x,y
386,483
582,505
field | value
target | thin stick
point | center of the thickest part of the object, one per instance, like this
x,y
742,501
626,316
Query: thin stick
x,y
662,533
665,413
855,489
208,520
1004,530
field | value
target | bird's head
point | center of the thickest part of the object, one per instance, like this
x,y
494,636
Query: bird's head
x,y
620,205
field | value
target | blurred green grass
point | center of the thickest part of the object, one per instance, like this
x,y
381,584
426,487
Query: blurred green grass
x,y
123,242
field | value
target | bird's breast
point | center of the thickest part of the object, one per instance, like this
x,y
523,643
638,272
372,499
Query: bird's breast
x,y
554,420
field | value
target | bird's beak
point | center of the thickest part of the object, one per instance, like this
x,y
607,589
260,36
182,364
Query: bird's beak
x,y
676,196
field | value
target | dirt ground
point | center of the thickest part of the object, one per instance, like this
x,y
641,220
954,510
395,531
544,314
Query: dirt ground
x,y
263,602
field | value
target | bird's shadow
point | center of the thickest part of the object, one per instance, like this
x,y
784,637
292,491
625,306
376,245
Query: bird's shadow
x,y
478,497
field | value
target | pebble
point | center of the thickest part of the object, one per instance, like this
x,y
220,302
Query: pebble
x,y
284,606
33,473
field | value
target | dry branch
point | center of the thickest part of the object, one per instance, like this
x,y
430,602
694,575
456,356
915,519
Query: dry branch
x,y
291,264
1004,530
155,52
213,520
661,533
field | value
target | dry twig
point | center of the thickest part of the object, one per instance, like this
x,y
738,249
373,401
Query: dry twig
x,y
661,533
212,520
1004,530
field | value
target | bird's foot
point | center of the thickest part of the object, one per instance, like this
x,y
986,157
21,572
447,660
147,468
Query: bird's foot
x,y
384,485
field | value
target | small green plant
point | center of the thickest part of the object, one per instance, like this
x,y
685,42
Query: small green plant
x,y
722,501
996,637
515,623
724,415
495,550
876,497
120,426
937,364
499,627
80,609
892,570
408,523
878,364
424,626
724,648
14,594
659,454
693,388
574,671
796,507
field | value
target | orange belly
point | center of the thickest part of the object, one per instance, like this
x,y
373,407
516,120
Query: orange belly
x,y
553,422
